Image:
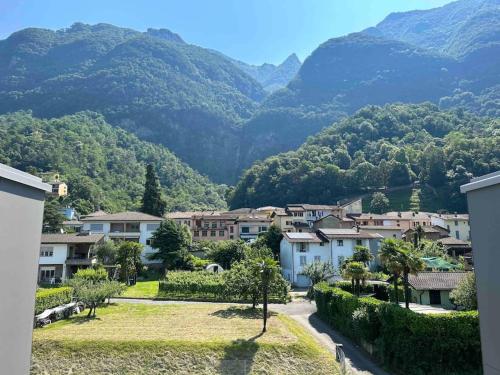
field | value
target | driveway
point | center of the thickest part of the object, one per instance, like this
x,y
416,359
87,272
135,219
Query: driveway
x,y
304,312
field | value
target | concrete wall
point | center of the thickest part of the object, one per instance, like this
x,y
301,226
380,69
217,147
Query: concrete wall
x,y
483,197
21,210
422,297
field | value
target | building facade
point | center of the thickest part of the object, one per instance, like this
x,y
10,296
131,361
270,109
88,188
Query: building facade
x,y
457,225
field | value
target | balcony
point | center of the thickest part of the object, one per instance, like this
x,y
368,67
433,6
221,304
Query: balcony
x,y
81,260
125,228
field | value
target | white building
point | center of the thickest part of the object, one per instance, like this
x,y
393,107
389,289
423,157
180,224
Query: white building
x,y
61,255
325,245
456,224
125,226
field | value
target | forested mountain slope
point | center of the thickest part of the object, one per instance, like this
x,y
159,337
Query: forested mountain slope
x,y
398,61
188,98
104,166
378,147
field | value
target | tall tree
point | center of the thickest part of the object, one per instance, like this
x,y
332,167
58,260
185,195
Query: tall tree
x,y
52,217
152,200
268,269
317,272
270,239
172,241
379,203
390,257
362,254
357,272
411,264
465,294
129,258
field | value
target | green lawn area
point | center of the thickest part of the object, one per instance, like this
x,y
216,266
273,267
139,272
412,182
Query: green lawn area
x,y
178,339
143,289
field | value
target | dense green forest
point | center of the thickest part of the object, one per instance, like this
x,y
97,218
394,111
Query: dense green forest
x,y
104,166
389,146
186,97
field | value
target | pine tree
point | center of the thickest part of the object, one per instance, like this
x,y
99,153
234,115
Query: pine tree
x,y
152,201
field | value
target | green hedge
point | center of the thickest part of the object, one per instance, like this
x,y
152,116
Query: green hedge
x,y
404,341
202,286
48,298
383,292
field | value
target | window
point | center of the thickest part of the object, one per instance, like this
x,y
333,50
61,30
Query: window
x,y
303,260
46,274
204,233
448,227
214,224
212,233
359,242
231,237
231,229
263,228
288,223
148,242
46,251
245,229
321,244
196,233
221,233
456,222
187,222
340,242
365,222
457,234
302,247
133,227
206,225
317,258
96,227
152,227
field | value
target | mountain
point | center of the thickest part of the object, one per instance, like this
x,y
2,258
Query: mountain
x,y
390,146
104,166
188,98
449,56
272,77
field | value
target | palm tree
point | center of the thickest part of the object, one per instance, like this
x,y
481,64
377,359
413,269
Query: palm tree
x,y
267,267
317,272
356,271
390,256
362,254
412,264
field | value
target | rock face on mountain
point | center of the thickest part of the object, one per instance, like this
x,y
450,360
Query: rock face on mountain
x,y
153,84
272,77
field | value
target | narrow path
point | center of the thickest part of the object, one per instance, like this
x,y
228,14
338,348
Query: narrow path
x,y
304,312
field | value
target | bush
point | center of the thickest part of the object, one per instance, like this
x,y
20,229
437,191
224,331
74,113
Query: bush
x,y
49,298
202,286
405,341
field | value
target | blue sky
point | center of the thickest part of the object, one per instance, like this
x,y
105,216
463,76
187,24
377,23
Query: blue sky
x,y
254,31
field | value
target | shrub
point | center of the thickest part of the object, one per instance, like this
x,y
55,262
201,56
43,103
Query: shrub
x,y
49,298
405,341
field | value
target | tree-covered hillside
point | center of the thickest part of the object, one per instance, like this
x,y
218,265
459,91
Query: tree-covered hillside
x,y
104,166
448,55
378,147
188,98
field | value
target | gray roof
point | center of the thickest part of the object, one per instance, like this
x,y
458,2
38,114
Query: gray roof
x,y
380,227
123,216
56,238
451,241
301,237
346,233
21,177
436,280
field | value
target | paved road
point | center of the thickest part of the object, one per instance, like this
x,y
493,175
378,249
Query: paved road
x,y
303,312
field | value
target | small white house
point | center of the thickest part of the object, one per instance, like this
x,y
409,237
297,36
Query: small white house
x,y
325,245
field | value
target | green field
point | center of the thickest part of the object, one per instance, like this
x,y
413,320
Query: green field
x,y
178,339
143,289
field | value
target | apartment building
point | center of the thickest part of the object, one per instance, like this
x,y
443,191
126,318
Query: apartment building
x,y
124,226
456,224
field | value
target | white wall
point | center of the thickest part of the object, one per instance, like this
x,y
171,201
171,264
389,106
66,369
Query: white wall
x,y
60,252
454,225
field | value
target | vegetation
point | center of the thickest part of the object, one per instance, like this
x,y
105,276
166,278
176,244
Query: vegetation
x,y
152,200
317,272
107,252
52,216
402,340
48,298
103,166
129,259
178,339
142,289
270,239
227,252
465,295
379,203
92,287
378,147
171,240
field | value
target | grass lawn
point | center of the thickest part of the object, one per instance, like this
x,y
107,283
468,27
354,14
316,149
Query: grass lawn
x,y
142,289
178,339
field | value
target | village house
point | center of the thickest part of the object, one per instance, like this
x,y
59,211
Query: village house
x,y
124,226
431,233
61,255
326,245
433,288
386,231
332,221
456,224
